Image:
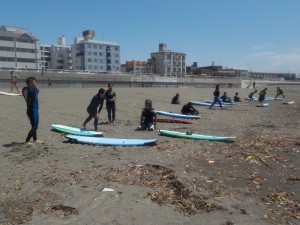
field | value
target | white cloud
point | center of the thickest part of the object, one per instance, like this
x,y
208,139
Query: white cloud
x,y
262,46
260,54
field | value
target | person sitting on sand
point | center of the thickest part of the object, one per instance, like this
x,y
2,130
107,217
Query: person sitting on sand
x,y
225,98
148,117
175,99
14,82
236,98
216,97
97,100
262,95
279,92
188,109
251,95
30,94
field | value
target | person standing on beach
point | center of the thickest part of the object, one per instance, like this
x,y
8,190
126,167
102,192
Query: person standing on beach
x,y
97,100
14,81
262,95
279,92
111,97
216,97
253,85
31,96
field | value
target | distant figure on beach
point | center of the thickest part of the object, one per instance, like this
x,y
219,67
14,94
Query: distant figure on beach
x,y
251,95
49,83
148,117
253,85
111,97
175,99
30,94
217,97
188,109
225,98
279,92
262,95
97,100
236,98
14,81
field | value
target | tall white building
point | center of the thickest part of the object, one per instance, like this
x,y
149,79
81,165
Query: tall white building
x,y
97,56
169,63
19,49
57,57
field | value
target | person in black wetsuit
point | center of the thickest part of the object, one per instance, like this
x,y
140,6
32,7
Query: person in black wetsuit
x,y
225,98
111,97
188,109
30,94
262,95
175,99
279,92
97,100
217,97
236,98
251,95
148,117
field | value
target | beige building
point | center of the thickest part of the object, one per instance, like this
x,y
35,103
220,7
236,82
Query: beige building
x,y
168,63
19,49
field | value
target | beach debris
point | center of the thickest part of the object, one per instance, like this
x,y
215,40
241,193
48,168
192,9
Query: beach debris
x,y
168,188
293,178
66,210
107,189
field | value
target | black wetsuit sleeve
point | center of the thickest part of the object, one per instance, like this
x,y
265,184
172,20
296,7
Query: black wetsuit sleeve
x,y
101,105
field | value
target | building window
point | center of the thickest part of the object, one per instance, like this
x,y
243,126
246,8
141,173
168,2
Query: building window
x,y
89,60
90,67
117,55
89,46
101,60
116,48
100,47
95,46
95,53
117,61
117,68
89,53
95,60
100,54
95,67
101,67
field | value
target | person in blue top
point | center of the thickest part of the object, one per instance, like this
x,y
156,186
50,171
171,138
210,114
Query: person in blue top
x,y
175,99
217,97
111,97
148,117
30,94
97,100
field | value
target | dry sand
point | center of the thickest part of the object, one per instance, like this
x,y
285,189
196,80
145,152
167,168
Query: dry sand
x,y
254,180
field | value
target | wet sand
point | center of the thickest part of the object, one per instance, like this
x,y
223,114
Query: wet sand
x,y
254,180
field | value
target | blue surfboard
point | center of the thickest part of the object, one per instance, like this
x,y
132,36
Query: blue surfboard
x,y
111,141
175,115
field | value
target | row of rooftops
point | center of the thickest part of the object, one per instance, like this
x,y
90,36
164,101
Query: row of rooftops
x,y
16,32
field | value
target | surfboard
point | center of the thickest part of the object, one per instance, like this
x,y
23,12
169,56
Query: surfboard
x,y
76,131
223,103
206,104
175,115
195,136
111,141
266,98
289,103
263,105
173,120
9,94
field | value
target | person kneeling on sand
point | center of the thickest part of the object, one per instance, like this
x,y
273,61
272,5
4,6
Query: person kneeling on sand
x,y
188,109
224,98
236,98
175,99
97,100
148,117
251,95
262,95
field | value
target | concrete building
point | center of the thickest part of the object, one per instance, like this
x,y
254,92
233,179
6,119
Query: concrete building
x,y
96,56
169,63
138,67
270,76
57,57
19,49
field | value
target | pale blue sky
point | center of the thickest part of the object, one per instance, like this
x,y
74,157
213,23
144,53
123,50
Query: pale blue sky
x,y
263,35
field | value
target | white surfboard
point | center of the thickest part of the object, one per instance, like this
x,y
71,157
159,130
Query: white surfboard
x,y
9,94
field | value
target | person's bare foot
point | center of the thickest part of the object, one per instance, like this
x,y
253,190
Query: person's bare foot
x,y
38,142
28,143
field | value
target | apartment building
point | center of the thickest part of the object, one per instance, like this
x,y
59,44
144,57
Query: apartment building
x,y
19,49
169,63
137,67
45,56
93,55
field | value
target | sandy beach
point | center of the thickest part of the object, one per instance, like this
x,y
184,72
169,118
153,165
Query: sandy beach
x,y
254,180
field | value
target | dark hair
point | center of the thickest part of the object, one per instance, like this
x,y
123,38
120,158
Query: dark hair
x,y
177,94
110,84
148,101
11,72
101,91
255,91
236,93
218,86
29,80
